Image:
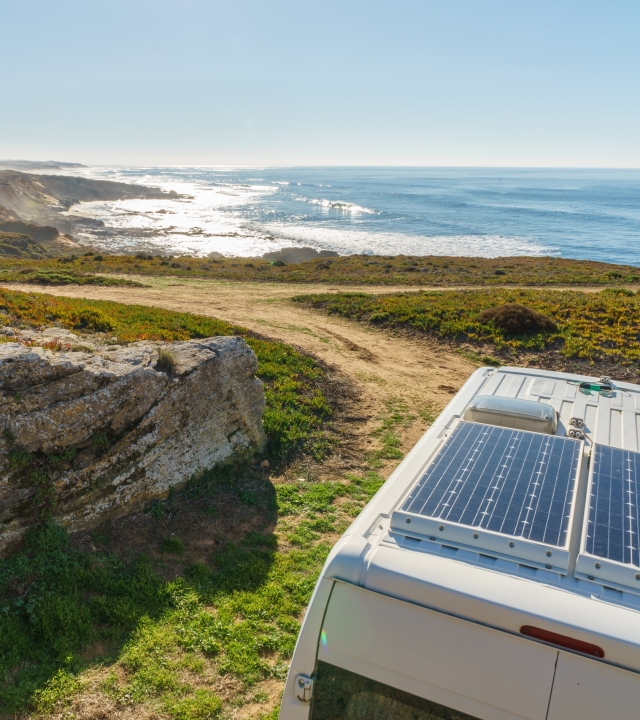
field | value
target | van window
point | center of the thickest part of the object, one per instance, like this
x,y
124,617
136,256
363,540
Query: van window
x,y
342,695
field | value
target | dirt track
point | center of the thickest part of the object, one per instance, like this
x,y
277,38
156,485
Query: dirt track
x,y
382,367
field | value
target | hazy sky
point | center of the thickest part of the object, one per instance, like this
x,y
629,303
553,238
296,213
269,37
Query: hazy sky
x,y
283,82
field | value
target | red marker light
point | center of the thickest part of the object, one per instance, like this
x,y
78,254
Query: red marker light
x,y
562,641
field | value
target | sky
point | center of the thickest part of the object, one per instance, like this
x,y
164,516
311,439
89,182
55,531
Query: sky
x,y
524,83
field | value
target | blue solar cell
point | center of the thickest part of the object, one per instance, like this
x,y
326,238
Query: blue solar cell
x,y
508,481
613,528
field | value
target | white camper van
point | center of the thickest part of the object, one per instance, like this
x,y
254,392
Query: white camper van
x,y
496,574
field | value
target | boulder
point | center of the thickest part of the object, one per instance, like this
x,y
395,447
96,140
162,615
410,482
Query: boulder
x,y
91,431
292,255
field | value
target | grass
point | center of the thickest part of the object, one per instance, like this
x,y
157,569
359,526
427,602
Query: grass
x,y
296,407
166,362
603,326
161,631
216,635
347,270
172,545
169,643
395,417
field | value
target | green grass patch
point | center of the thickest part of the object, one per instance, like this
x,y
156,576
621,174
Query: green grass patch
x,y
347,270
237,615
296,406
245,607
172,545
57,693
309,510
165,644
202,705
395,417
592,326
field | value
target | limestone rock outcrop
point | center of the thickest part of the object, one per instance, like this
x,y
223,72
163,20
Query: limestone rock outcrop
x,y
97,432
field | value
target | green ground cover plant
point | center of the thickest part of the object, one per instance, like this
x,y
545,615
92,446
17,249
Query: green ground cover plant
x,y
346,270
18,245
590,326
159,632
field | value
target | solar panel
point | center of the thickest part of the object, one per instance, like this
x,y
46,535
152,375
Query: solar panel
x,y
611,542
502,481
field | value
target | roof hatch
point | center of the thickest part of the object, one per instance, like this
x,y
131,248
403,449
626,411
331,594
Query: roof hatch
x,y
513,413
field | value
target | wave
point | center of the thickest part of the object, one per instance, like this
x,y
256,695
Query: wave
x,y
237,213
350,242
339,205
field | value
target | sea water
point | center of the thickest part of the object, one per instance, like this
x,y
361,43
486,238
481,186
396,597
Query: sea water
x,y
586,214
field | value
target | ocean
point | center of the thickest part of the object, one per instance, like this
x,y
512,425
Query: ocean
x,y
584,214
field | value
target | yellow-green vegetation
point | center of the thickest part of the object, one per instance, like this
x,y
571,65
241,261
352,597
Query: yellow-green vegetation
x,y
18,245
166,645
48,272
237,615
397,416
592,326
352,269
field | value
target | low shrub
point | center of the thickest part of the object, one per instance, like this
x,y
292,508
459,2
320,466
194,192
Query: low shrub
x,y
92,321
517,319
346,269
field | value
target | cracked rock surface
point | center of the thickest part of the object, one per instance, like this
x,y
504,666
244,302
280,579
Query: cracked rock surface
x,y
97,432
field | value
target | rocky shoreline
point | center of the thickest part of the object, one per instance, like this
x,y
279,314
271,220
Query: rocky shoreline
x,y
35,207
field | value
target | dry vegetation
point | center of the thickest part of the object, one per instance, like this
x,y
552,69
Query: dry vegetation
x,y
347,270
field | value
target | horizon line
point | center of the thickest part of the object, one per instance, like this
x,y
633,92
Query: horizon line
x,y
314,165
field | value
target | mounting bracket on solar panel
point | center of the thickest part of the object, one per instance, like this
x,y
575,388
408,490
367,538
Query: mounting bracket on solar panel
x,y
610,546
496,490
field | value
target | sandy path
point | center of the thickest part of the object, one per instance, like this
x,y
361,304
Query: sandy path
x,y
384,368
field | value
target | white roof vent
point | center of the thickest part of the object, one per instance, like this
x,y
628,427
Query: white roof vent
x,y
512,413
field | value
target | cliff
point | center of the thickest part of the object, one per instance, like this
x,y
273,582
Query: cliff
x,y
92,432
30,199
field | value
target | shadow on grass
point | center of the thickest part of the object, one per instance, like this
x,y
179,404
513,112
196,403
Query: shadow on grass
x,y
63,609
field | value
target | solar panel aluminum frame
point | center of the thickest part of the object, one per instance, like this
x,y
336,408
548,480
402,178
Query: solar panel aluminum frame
x,y
514,548
601,570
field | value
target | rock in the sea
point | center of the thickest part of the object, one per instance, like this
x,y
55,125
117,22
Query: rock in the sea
x,y
98,433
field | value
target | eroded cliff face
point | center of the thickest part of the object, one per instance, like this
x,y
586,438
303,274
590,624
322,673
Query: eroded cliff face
x,y
97,433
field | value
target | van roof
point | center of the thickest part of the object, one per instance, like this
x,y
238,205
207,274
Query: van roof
x,y
511,527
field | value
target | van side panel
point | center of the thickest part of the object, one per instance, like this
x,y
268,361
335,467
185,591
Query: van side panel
x,y
591,690
486,673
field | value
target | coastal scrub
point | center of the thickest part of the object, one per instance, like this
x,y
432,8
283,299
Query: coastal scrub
x,y
589,326
343,270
